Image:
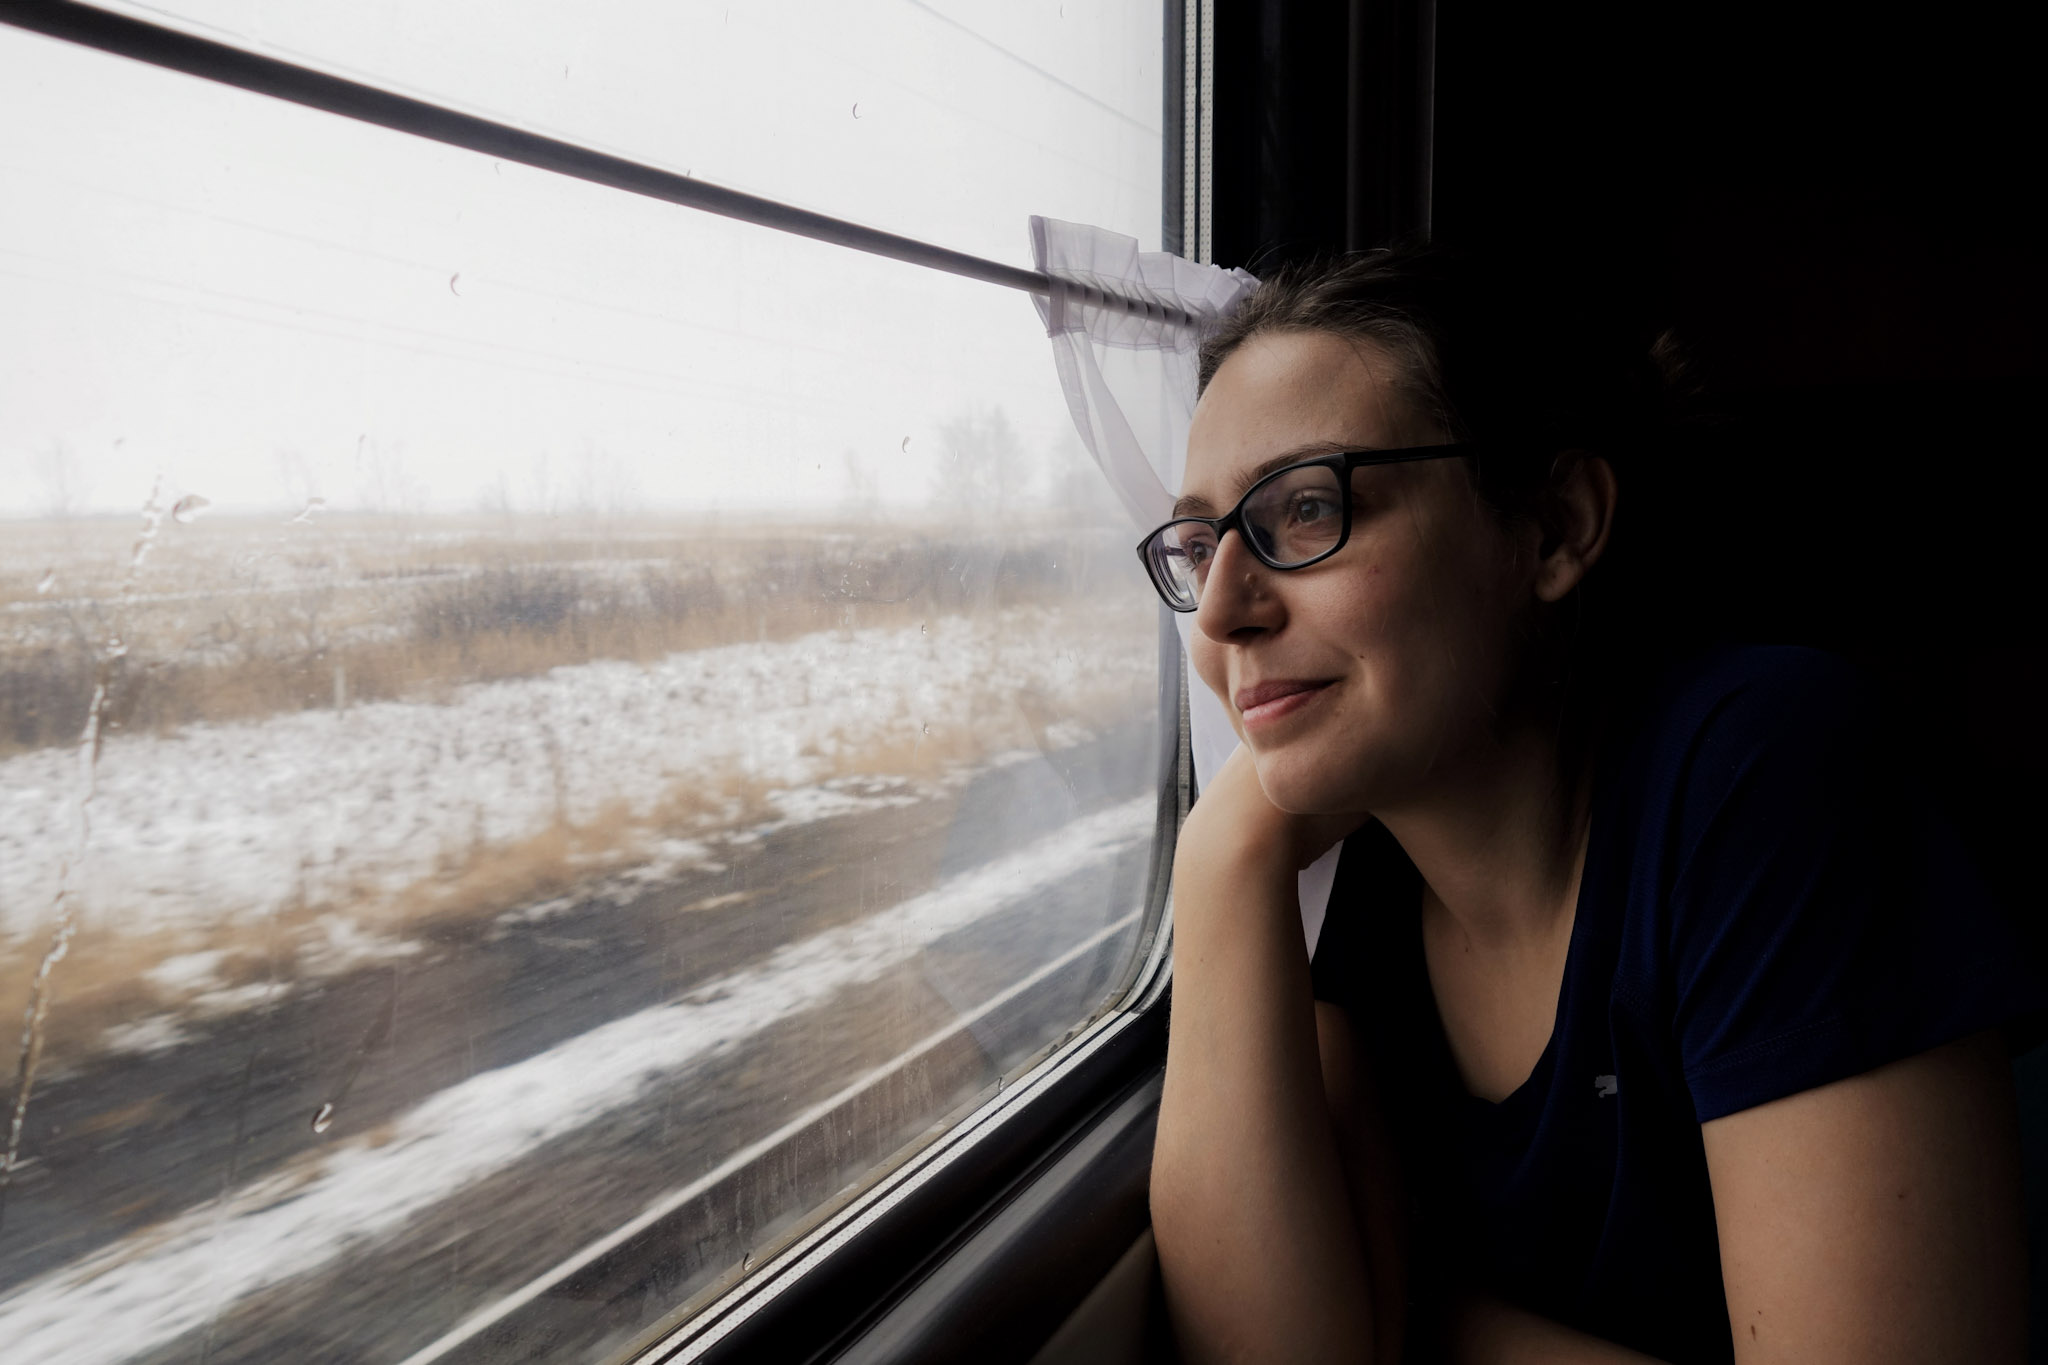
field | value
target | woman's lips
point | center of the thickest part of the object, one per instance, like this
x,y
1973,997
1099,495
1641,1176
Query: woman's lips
x,y
1270,701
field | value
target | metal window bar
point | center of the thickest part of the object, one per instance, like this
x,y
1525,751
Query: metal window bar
x,y
1191,133
1205,151
124,36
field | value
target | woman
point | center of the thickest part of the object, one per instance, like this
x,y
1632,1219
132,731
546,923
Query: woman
x,y
1648,1020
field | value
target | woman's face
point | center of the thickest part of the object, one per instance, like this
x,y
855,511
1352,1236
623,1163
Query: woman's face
x,y
1359,682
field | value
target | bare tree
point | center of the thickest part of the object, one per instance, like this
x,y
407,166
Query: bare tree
x,y
863,488
382,482
495,498
1079,488
297,478
604,486
67,484
544,494
983,466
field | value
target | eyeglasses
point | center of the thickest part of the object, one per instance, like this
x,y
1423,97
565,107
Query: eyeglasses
x,y
1292,518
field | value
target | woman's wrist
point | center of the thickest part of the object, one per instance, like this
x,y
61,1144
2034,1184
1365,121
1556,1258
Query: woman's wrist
x,y
1235,856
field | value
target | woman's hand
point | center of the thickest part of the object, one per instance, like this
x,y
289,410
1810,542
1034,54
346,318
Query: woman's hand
x,y
1234,829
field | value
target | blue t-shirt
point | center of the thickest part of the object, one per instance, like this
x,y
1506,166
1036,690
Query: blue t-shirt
x,y
1765,908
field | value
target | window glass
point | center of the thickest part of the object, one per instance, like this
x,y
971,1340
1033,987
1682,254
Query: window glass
x,y
544,737
947,120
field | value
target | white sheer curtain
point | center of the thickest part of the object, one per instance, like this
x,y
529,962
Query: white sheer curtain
x,y
1129,377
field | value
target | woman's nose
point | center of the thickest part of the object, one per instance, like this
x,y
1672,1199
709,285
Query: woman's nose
x,y
1237,595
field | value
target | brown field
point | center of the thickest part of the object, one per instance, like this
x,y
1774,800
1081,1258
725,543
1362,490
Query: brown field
x,y
228,620
220,624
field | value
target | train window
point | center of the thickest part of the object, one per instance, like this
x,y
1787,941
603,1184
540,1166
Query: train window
x,y
529,714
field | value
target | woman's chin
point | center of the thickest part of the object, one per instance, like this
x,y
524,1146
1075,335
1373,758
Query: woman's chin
x,y
1302,787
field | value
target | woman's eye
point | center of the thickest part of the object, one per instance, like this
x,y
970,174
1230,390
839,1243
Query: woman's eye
x,y
1313,507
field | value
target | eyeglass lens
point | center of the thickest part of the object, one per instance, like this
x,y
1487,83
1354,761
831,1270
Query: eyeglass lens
x,y
1291,519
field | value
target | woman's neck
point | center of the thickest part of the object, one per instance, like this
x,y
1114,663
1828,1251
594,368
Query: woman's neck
x,y
1500,842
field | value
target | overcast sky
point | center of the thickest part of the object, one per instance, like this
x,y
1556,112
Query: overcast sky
x,y
264,303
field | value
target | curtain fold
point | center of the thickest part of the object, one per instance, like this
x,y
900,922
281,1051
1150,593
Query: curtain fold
x,y
1129,376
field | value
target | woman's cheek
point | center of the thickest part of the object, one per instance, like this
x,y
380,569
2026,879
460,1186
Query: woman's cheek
x,y
1210,667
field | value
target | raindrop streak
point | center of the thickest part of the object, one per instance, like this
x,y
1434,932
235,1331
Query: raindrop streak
x,y
380,1031
189,508
61,910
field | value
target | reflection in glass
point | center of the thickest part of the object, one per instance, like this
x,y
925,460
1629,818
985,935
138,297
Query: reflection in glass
x,y
568,732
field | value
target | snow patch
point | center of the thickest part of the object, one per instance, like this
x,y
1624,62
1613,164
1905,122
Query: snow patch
x,y
141,1037
187,972
149,1288
223,824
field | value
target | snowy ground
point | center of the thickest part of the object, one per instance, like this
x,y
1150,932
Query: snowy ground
x,y
697,792
220,825
173,1277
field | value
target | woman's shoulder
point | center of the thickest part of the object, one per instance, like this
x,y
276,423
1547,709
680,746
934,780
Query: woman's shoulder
x,y
1754,680
1743,746
1720,704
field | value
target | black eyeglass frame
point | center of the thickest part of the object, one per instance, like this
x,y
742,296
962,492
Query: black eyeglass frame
x,y
1342,461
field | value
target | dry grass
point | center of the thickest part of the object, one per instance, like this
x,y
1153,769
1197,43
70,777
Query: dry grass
x,y
416,620
105,982
413,618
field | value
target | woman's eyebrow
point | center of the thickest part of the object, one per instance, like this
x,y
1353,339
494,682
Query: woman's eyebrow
x,y
1195,505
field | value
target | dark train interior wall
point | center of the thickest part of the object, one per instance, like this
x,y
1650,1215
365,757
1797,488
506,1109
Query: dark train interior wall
x,y
1834,211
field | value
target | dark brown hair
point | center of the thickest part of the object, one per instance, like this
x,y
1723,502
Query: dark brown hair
x,y
1523,364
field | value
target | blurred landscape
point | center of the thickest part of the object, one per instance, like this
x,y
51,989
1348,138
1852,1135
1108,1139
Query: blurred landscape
x,y
469,882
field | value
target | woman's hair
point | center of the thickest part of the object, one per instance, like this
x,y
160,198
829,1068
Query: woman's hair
x,y
1532,365
1523,363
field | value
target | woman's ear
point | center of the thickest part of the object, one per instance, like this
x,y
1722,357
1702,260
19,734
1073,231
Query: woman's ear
x,y
1578,517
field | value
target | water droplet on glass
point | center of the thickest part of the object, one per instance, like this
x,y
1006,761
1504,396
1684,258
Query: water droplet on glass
x,y
906,444
451,284
46,582
927,730
923,629
186,510
116,648
746,1263
323,1120
306,512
